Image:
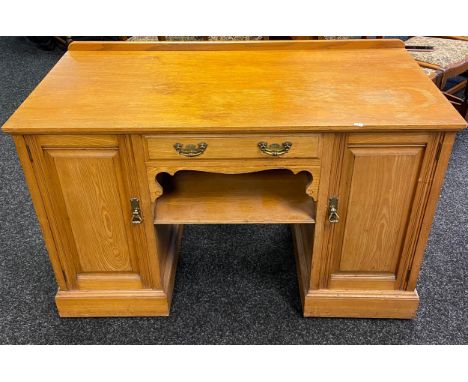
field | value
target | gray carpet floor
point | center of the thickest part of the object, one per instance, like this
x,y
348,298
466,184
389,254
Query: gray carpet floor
x,y
234,284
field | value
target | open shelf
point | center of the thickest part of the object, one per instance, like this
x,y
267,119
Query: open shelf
x,y
273,196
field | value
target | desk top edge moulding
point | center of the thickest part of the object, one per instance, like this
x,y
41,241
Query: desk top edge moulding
x,y
345,141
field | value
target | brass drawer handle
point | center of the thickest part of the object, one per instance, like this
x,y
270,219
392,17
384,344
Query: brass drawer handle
x,y
274,149
333,216
191,150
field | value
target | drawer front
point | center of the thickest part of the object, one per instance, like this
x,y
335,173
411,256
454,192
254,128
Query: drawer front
x,y
198,147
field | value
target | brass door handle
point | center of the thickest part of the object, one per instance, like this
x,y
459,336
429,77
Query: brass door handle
x,y
191,150
137,217
275,149
333,216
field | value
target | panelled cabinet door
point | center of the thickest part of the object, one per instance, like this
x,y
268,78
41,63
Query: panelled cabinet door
x,y
86,183
381,191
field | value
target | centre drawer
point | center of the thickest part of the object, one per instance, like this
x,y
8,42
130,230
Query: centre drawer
x,y
232,147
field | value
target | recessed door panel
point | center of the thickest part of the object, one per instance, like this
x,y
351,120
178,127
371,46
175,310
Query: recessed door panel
x,y
91,187
381,190
377,195
87,183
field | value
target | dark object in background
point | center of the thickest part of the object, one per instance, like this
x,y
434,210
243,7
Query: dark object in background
x,y
43,42
50,42
421,48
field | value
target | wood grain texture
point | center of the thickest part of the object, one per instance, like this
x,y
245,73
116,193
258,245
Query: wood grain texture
x,y
303,240
275,196
172,235
111,303
381,184
86,177
40,208
238,166
381,190
109,281
152,260
362,281
285,89
366,126
388,139
332,158
54,207
425,224
361,304
232,45
86,189
78,141
232,147
418,208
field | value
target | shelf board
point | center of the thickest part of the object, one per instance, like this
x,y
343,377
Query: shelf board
x,y
275,196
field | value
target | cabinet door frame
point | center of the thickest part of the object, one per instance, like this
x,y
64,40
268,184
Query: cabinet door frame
x,y
145,268
327,257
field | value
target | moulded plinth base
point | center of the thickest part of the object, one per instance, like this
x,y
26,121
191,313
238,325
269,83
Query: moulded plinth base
x,y
361,304
112,303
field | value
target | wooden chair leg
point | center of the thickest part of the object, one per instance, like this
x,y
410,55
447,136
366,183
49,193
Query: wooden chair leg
x,y
455,89
458,103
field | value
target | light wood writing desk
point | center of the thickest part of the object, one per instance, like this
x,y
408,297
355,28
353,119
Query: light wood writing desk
x,y
347,141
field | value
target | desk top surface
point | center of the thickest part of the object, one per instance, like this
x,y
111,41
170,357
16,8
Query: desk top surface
x,y
270,86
